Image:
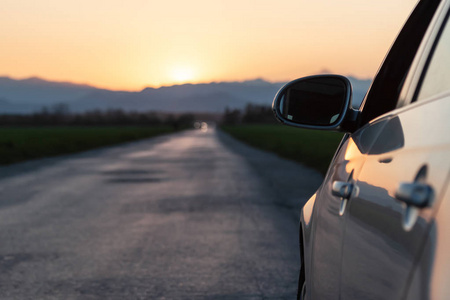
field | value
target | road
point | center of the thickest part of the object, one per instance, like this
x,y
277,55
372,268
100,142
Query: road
x,y
192,215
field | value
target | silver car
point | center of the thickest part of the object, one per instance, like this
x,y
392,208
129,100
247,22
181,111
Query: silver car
x,y
379,225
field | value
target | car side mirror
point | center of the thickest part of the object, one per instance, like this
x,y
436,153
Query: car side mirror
x,y
316,102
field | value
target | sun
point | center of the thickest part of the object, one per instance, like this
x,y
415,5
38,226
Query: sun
x,y
181,74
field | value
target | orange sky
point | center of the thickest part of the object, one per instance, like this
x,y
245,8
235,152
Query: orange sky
x,y
131,44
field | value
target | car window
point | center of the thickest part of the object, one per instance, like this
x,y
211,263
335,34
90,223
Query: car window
x,y
386,87
437,76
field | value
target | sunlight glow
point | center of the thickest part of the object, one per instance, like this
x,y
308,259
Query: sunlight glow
x,y
182,74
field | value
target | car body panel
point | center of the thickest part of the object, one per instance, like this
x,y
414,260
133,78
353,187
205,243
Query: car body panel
x,y
430,278
435,275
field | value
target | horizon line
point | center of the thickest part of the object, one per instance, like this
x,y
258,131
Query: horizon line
x,y
86,84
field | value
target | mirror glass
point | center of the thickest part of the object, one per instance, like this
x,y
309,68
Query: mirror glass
x,y
314,101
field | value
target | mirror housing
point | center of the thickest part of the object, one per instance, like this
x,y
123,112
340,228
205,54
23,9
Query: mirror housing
x,y
316,102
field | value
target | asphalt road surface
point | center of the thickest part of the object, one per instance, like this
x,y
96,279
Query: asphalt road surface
x,y
193,215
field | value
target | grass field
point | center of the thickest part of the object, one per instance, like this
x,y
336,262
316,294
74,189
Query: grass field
x,y
19,143
313,148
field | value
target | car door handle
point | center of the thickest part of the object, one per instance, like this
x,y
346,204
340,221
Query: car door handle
x,y
415,194
342,189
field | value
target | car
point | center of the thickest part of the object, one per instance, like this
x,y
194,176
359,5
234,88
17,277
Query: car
x,y
378,227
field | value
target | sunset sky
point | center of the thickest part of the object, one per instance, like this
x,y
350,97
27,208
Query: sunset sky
x,y
128,45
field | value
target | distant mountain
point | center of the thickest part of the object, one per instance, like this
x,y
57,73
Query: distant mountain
x,y
36,91
30,95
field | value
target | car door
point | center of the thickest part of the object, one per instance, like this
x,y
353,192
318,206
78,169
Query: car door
x,y
399,188
329,226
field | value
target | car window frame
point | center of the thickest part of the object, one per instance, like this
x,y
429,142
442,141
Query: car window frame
x,y
417,96
419,66
383,94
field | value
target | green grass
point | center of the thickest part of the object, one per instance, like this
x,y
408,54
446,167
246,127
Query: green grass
x,y
313,148
24,143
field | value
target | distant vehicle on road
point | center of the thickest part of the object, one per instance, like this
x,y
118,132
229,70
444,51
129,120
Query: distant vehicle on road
x,y
203,126
379,225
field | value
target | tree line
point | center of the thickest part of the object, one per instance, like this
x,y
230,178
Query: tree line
x,y
60,115
252,114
